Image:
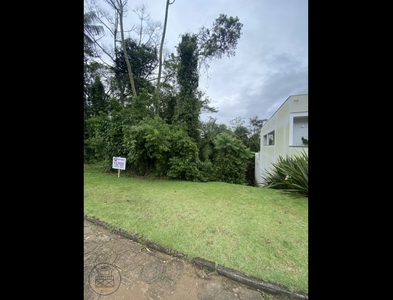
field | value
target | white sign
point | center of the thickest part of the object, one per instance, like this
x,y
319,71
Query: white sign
x,y
119,163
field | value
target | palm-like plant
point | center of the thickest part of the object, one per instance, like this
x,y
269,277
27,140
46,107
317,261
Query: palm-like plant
x,y
289,174
91,29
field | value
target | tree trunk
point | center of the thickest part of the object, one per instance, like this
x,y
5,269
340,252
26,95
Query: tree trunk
x,y
125,50
160,61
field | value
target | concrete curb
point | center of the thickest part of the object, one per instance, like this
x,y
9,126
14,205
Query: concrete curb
x,y
205,264
248,280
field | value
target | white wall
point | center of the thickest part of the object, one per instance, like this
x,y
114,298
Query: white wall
x,y
287,138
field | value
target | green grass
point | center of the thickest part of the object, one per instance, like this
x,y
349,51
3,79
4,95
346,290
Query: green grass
x,y
261,232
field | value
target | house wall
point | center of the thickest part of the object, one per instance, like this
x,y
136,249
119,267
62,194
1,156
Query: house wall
x,y
287,140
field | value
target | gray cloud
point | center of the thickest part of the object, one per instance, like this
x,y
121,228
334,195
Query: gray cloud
x,y
248,91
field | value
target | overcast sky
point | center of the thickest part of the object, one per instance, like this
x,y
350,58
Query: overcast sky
x,y
271,61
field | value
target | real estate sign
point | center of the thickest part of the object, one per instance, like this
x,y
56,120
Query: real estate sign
x,y
119,163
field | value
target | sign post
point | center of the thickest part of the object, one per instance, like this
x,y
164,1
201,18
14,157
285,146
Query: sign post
x,y
119,163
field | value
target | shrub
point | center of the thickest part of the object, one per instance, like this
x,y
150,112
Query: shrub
x,y
183,162
289,174
159,149
231,158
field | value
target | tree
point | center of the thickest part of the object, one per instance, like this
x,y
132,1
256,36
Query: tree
x,y
209,131
160,57
97,97
157,148
188,107
231,158
119,6
143,61
250,136
108,52
148,31
256,124
90,29
142,107
144,32
94,95
255,128
170,89
208,43
221,39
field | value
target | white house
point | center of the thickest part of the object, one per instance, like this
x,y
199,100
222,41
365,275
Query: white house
x,y
285,133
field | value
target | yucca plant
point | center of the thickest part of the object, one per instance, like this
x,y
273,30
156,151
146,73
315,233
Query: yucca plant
x,y
289,174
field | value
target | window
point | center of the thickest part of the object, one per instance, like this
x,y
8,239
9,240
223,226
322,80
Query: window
x,y
269,139
298,129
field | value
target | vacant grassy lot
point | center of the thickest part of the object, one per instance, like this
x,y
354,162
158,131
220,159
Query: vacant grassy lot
x,y
261,232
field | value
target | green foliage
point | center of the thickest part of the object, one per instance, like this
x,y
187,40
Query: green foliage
x,y
250,136
89,28
114,134
140,140
167,106
89,31
209,130
230,159
222,38
242,133
173,144
254,142
184,160
161,149
96,97
188,106
143,59
206,170
142,106
171,69
187,76
93,92
289,174
94,144
104,134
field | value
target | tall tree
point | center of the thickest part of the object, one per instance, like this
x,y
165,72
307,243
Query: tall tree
x,y
120,8
121,4
97,97
188,107
255,128
256,124
143,61
211,43
239,130
145,31
160,57
221,38
90,28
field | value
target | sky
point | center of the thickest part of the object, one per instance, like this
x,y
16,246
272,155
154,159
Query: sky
x,y
271,61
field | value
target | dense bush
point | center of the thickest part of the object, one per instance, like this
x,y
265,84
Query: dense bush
x,y
160,149
231,158
155,148
289,174
104,135
183,162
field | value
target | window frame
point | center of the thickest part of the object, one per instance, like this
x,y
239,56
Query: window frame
x,y
292,118
269,136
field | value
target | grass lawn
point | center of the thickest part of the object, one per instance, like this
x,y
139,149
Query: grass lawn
x,y
260,232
